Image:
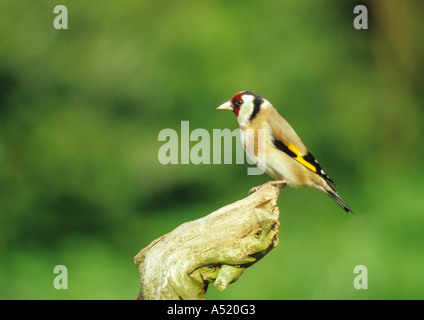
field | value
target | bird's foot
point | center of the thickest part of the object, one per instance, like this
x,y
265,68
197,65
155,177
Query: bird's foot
x,y
280,184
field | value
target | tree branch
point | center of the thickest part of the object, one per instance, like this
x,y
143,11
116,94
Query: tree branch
x,y
216,248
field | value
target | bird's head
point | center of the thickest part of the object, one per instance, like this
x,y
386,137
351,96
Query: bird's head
x,y
245,105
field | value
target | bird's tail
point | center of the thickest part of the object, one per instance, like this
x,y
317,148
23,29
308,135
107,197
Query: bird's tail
x,y
339,201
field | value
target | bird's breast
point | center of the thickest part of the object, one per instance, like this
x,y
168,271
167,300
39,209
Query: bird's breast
x,y
260,149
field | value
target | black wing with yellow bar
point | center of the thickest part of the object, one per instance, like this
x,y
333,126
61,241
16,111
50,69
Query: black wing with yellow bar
x,y
306,160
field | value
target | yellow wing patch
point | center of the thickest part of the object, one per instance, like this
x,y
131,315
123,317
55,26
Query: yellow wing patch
x,y
299,157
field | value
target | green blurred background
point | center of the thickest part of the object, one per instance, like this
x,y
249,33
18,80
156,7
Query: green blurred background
x,y
81,110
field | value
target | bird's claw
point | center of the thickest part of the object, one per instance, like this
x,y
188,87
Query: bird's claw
x,y
254,189
282,184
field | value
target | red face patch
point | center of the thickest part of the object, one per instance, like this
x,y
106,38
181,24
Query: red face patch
x,y
237,96
236,106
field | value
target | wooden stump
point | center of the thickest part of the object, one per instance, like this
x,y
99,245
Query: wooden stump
x,y
216,248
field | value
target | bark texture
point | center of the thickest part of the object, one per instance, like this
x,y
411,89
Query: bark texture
x,y
213,249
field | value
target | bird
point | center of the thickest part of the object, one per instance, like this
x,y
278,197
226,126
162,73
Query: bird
x,y
286,158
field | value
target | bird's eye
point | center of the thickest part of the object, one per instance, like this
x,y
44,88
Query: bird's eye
x,y
239,102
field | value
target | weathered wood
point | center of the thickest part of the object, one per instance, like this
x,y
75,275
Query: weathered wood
x,y
216,248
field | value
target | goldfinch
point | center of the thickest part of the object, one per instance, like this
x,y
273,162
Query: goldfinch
x,y
287,158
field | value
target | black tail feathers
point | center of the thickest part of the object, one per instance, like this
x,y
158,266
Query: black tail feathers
x,y
340,201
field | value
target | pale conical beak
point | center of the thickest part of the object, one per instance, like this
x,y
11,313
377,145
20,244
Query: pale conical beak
x,y
226,106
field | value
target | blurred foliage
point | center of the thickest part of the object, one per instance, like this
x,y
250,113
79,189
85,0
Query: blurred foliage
x,y
81,110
